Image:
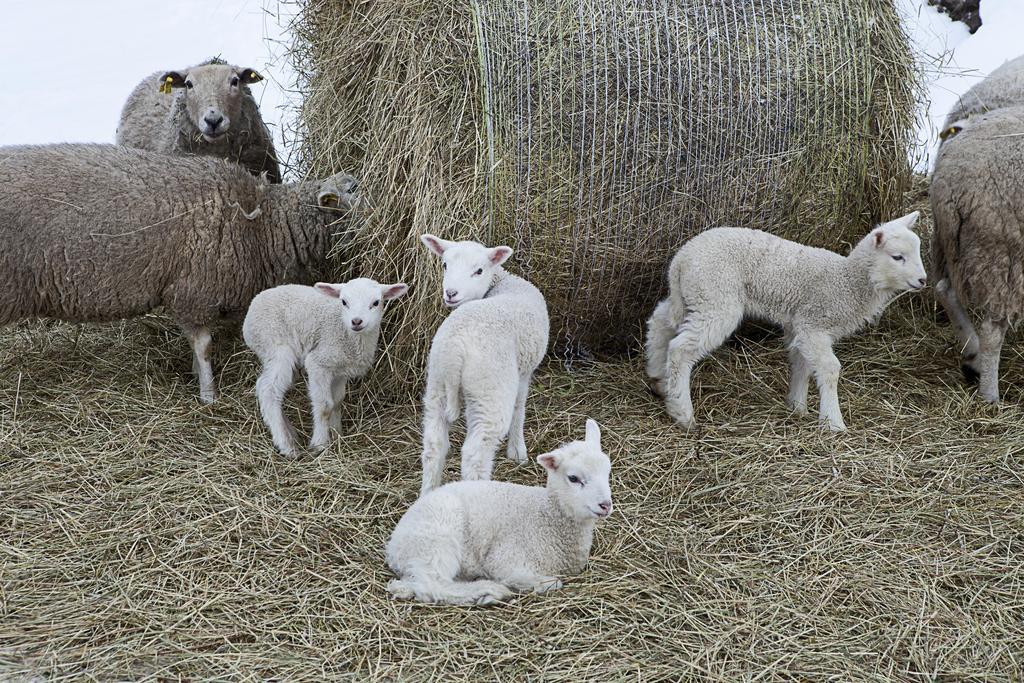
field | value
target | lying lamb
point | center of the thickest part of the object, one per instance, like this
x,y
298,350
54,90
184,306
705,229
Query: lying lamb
x,y
818,297
475,542
976,197
206,110
486,350
331,330
102,232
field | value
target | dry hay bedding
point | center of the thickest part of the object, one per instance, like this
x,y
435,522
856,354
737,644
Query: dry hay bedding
x,y
594,137
144,535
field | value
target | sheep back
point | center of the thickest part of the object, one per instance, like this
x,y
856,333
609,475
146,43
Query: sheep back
x,y
100,232
977,196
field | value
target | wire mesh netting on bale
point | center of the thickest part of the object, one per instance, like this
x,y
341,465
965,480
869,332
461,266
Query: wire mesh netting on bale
x,y
596,137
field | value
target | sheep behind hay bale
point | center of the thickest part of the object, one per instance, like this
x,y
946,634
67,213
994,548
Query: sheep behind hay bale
x,y
1004,87
103,232
595,138
206,110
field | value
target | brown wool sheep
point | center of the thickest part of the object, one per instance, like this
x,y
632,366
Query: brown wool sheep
x,y
977,198
102,232
205,110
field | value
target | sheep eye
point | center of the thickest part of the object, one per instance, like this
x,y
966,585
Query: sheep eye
x,y
234,81
574,479
188,84
479,271
444,266
375,303
344,303
898,258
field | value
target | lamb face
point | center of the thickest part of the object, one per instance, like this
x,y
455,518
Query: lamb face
x,y
469,268
213,95
578,475
897,263
362,301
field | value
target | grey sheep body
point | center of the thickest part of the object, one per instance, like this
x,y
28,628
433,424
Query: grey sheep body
x,y
100,232
161,122
977,195
1004,87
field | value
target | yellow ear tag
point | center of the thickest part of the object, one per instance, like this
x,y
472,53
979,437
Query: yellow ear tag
x,y
949,132
165,87
329,199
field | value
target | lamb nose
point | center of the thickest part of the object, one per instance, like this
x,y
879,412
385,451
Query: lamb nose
x,y
605,505
213,120
922,281
357,321
451,293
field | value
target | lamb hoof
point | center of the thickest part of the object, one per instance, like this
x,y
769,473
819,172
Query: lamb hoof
x,y
684,420
401,590
207,397
489,596
549,584
517,453
799,409
971,376
317,447
990,398
835,427
289,453
656,387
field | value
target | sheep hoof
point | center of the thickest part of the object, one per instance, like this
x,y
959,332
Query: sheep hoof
x,y
208,397
548,584
798,408
289,453
835,426
971,376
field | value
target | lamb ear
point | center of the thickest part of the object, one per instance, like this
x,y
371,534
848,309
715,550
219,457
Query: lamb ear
x,y
879,237
435,244
593,433
499,255
328,289
249,75
910,220
550,461
389,292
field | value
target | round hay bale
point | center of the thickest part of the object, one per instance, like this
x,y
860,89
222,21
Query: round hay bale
x,y
595,138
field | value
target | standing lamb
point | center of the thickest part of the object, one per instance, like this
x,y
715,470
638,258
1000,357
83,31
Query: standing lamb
x,y
475,542
977,196
205,110
723,275
331,330
1004,87
487,351
101,232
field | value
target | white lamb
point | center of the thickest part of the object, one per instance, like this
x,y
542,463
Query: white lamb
x,y
331,330
486,350
724,275
475,542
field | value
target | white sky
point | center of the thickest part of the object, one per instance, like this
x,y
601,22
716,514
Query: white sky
x,y
69,65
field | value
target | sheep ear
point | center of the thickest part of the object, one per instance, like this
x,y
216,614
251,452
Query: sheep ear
x,y
951,131
593,433
170,80
327,199
550,461
435,244
328,290
499,255
879,237
910,220
249,76
393,291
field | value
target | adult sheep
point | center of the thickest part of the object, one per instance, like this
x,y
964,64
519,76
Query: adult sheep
x,y
977,195
205,110
101,232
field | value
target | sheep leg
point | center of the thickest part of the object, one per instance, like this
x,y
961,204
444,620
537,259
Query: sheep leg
x,y
487,421
338,386
201,341
990,342
527,580
660,332
698,336
516,448
436,442
817,351
321,395
965,332
799,378
271,387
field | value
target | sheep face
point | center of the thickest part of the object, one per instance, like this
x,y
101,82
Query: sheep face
x,y
213,95
362,301
897,255
469,268
578,475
